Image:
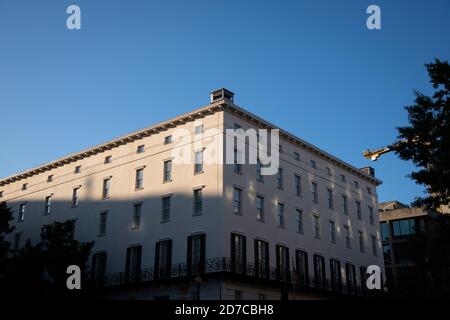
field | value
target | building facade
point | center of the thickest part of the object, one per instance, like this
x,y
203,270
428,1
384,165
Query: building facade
x,y
170,230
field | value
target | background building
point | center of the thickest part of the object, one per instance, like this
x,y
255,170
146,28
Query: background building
x,y
215,231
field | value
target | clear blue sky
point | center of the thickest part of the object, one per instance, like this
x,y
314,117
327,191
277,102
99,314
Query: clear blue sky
x,y
311,67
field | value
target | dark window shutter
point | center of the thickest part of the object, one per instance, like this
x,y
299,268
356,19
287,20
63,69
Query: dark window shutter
x,y
189,256
94,266
202,253
169,259
257,266
156,266
277,256
267,261
244,253
287,267
233,252
138,263
127,265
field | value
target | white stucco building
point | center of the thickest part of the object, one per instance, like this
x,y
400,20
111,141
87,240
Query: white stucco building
x,y
169,230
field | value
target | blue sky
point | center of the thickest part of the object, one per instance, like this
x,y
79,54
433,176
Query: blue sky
x,y
311,67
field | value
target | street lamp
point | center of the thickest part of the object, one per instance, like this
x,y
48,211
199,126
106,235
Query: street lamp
x,y
198,281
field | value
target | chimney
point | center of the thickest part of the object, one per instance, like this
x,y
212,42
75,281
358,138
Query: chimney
x,y
220,94
368,170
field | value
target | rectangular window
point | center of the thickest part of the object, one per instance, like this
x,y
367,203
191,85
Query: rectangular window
x,y
361,241
282,256
238,253
260,208
384,231
316,226
336,280
374,246
24,186
298,185
356,184
371,217
237,200
348,243
315,195
1,194
301,262
279,178
198,202
328,171
139,183
350,272
198,166
106,187
319,272
50,178
344,205
137,211
313,164
343,178
238,294
77,169
165,208
280,149
403,228
280,214
17,237
102,223
48,205
262,258
330,198
75,197
299,221
332,231
140,148
198,129
98,267
259,176
369,191
296,156
133,264
196,254
167,171
358,210
168,140
108,159
237,161
163,259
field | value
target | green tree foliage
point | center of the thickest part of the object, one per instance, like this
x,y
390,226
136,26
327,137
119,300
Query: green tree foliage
x,y
426,140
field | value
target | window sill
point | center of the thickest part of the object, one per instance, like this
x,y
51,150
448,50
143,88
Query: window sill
x,y
238,213
165,221
135,228
101,235
300,232
167,181
105,198
197,214
138,189
260,220
197,173
281,226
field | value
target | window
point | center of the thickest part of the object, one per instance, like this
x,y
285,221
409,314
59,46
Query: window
x,y
260,208
262,296
405,227
137,211
298,185
106,187
319,272
75,197
301,262
1,194
24,186
259,176
262,259
343,178
296,156
165,209
280,149
167,171
361,241
279,178
98,267
196,254
48,205
356,184
108,159
237,200
237,161
387,253
374,245
77,169
299,220
350,273
315,195
313,164
140,148
280,214
238,253
139,183
198,129
17,237
163,259
384,231
348,239
133,264
198,166
358,210
332,231
328,171
282,263
316,226
102,223
238,294
168,140
344,205
371,217
198,202
369,191
330,198
335,270
50,178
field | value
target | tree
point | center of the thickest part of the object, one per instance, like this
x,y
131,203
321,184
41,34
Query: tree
x,y
426,140
6,217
